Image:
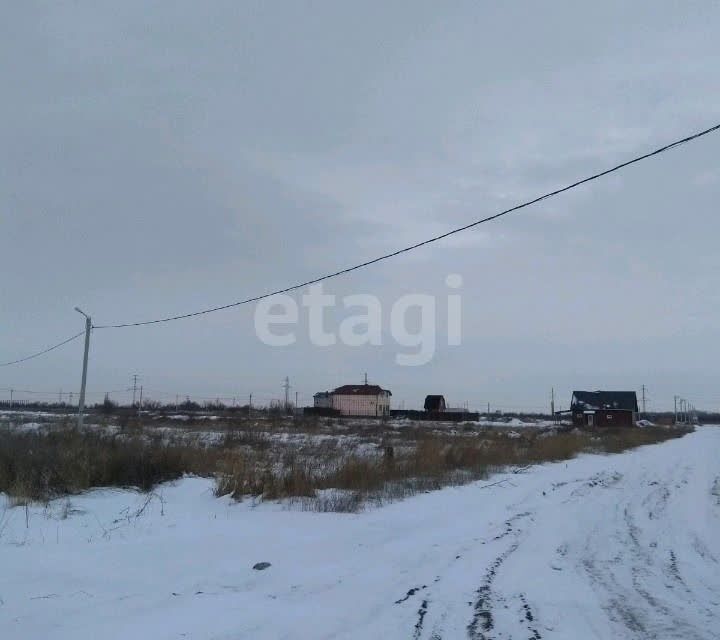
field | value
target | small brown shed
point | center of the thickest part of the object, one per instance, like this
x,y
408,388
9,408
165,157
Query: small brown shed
x,y
435,404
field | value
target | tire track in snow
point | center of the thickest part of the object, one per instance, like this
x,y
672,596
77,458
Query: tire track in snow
x,y
617,607
644,603
422,612
482,625
485,597
715,491
638,560
602,480
410,594
529,618
657,500
483,621
702,549
674,572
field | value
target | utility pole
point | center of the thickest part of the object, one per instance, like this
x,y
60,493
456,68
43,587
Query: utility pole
x,y
296,399
365,378
286,386
250,405
488,413
140,405
643,400
81,403
134,387
675,398
552,403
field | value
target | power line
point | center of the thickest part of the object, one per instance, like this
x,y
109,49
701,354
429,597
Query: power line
x,y
197,396
387,256
42,353
424,242
53,393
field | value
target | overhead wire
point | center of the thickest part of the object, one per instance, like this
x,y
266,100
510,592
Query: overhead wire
x,y
383,257
43,352
417,245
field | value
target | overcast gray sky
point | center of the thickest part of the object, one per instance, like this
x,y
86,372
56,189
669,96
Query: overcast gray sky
x,y
156,159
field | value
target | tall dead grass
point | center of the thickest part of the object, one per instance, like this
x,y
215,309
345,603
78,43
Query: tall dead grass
x,y
434,462
246,462
40,466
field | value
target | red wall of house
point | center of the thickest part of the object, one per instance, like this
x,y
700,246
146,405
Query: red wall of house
x,y
605,418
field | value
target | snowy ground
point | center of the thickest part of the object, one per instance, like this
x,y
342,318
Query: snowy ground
x,y
623,546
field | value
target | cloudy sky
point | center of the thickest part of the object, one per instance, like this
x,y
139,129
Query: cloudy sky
x,y
157,159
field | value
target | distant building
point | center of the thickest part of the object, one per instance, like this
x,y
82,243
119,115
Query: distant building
x,y
356,400
435,404
604,408
361,400
323,400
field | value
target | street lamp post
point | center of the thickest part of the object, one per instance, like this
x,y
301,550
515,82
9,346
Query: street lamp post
x,y
88,329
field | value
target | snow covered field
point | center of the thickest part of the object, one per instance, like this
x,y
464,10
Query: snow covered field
x,y
622,546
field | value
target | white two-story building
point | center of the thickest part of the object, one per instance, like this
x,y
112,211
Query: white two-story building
x,y
356,400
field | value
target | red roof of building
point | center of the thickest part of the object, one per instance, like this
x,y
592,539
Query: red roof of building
x,y
360,390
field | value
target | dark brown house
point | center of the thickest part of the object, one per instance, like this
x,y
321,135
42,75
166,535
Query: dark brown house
x,y
435,404
604,408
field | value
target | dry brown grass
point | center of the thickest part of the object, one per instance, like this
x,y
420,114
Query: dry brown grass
x,y
434,462
40,466
241,474
320,473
